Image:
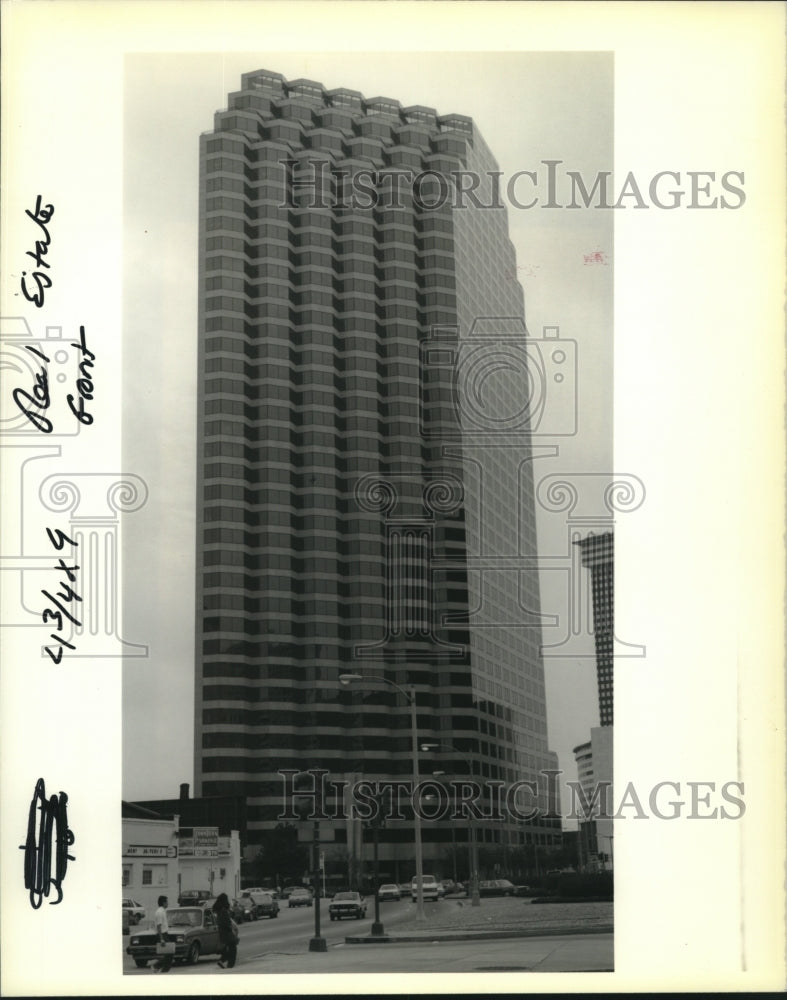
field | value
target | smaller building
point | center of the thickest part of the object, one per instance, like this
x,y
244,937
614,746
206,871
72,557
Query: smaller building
x,y
150,857
209,861
596,832
163,858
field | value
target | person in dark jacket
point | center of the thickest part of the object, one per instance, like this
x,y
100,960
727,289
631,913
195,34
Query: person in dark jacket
x,y
229,944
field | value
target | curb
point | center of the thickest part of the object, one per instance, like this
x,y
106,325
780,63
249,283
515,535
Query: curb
x,y
427,938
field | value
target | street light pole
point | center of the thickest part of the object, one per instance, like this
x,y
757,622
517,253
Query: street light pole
x,y
475,894
318,942
419,859
475,899
377,928
347,679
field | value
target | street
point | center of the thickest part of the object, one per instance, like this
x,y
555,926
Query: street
x,y
290,932
281,947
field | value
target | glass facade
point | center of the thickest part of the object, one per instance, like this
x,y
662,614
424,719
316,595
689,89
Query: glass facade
x,y
598,555
356,510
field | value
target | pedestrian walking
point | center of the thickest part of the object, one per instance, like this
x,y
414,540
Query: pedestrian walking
x,y
165,949
228,932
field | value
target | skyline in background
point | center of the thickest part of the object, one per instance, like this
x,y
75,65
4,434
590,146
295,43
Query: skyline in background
x,y
530,107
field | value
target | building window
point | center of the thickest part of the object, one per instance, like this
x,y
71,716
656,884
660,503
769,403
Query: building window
x,y
154,875
126,875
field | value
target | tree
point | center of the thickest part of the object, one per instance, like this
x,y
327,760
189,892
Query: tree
x,y
281,855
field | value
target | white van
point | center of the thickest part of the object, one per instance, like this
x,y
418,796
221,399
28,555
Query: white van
x,y
429,887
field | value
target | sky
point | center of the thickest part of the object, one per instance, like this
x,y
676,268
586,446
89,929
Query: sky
x,y
530,108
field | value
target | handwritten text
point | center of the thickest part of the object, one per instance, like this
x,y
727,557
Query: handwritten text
x,y
39,278
57,612
38,851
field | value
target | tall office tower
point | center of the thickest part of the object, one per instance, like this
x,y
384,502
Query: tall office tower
x,y
365,501
598,555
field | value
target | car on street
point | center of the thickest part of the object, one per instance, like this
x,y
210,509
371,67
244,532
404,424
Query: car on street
x,y
192,928
430,889
261,888
347,904
496,887
136,911
285,892
237,911
259,904
300,897
193,897
390,891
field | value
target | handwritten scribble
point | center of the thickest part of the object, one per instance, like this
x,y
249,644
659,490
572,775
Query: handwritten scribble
x,y
53,821
41,216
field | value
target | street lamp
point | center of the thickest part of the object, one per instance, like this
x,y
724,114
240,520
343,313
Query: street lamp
x,y
475,894
345,680
318,942
440,774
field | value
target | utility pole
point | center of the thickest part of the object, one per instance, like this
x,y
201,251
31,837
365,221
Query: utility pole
x,y
318,942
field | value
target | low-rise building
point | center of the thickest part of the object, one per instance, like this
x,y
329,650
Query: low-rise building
x,y
209,861
150,857
203,841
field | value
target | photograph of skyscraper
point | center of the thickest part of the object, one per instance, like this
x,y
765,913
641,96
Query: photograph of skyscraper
x,y
382,582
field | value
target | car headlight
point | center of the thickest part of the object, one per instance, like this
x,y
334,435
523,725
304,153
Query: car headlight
x,y
180,938
135,941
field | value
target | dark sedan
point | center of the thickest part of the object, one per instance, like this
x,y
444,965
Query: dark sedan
x,y
496,887
237,911
262,904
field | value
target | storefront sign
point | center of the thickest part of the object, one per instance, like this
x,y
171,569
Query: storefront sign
x,y
148,851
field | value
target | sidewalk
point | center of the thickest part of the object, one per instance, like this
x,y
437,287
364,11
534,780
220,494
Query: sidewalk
x,y
559,953
501,935
457,920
